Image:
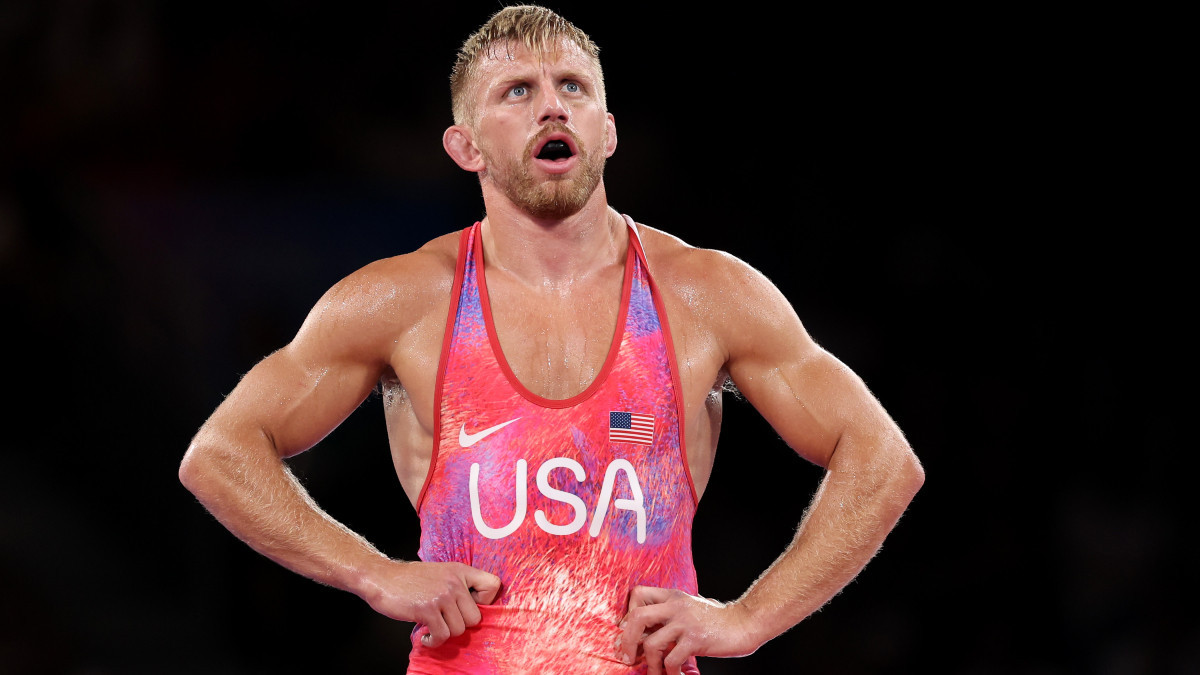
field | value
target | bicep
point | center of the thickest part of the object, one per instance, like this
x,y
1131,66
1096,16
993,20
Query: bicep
x,y
295,397
808,396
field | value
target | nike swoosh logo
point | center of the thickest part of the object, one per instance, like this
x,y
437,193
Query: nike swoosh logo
x,y
467,440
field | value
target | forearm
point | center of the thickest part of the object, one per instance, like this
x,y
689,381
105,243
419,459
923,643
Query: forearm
x,y
854,509
249,490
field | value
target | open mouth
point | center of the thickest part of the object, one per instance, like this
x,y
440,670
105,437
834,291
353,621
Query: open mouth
x,y
554,150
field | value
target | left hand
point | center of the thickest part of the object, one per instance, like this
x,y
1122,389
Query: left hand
x,y
673,626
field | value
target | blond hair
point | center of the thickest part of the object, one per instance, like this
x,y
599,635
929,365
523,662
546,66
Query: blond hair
x,y
538,29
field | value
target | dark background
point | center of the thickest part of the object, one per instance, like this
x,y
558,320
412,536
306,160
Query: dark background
x,y
968,207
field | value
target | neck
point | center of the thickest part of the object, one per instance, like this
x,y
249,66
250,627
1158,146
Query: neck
x,y
550,252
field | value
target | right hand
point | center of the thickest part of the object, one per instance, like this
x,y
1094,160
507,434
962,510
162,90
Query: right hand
x,y
443,596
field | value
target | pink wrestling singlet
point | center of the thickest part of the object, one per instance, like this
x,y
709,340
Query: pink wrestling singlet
x,y
570,502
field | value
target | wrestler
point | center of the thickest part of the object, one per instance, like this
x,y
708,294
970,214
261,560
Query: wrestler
x,y
553,378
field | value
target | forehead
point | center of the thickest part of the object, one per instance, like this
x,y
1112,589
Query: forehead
x,y
508,60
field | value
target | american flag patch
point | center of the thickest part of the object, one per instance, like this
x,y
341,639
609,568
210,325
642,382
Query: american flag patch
x,y
627,427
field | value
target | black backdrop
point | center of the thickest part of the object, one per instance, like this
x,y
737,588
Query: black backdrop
x,y
961,205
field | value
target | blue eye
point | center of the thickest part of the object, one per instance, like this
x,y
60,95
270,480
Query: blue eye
x,y
572,87
518,90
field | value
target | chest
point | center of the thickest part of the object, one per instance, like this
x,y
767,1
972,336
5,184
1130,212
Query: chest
x,y
556,341
555,345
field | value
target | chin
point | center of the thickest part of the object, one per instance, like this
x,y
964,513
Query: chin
x,y
554,210
560,199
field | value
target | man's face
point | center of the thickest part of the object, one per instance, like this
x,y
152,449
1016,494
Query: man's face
x,y
541,128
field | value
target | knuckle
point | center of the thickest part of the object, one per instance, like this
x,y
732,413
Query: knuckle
x,y
678,656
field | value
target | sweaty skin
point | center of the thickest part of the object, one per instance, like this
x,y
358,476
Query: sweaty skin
x,y
555,282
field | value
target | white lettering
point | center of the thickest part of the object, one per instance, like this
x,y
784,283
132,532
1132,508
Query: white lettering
x,y
560,496
518,515
635,504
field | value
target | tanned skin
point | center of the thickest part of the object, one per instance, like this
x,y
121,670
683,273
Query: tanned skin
x,y
554,282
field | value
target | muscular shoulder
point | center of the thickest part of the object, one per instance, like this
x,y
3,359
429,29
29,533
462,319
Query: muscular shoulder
x,y
717,291
403,282
702,275
372,307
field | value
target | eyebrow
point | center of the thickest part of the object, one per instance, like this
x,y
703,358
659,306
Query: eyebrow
x,y
508,83
585,77
525,78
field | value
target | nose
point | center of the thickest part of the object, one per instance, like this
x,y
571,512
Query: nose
x,y
552,108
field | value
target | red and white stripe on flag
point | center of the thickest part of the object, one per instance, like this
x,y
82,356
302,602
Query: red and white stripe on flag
x,y
627,427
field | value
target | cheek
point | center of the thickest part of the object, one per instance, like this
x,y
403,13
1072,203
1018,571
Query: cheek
x,y
498,138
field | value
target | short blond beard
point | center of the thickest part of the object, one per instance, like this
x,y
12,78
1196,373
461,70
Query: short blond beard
x,y
563,196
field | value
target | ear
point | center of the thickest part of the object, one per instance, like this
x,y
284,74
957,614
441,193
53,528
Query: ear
x,y
610,141
460,145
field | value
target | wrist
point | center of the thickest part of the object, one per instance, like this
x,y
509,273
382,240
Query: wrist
x,y
754,627
365,577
